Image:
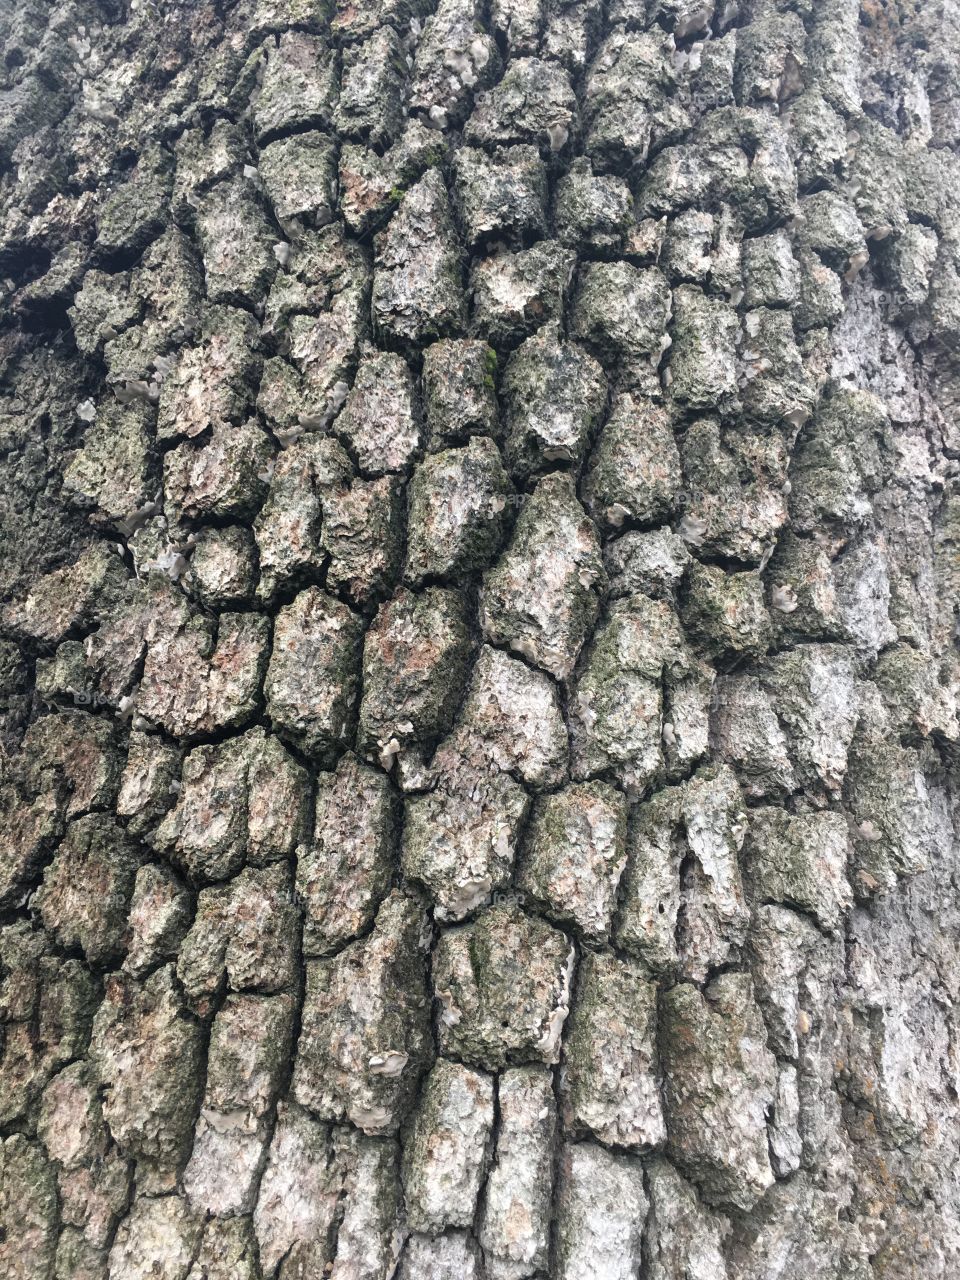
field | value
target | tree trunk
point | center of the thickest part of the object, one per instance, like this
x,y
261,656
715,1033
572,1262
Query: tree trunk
x,y
479,673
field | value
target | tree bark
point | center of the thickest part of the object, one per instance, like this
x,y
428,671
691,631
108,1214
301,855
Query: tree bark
x,y
478,675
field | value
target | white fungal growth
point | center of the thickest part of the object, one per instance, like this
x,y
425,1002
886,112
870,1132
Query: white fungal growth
x,y
282,252
466,898
138,389
616,514
340,391
320,421
369,1119
784,598
449,1014
503,846
525,648
172,562
558,135
687,60
692,529
86,411
437,117
479,53
390,1063
857,262
586,712
695,22
80,46
754,365
98,108
129,525
791,82
458,63
549,1043
289,435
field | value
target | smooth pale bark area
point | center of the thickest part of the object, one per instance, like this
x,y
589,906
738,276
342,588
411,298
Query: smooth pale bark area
x,y
478,643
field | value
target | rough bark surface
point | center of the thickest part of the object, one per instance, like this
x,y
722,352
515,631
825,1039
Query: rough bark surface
x,y
479,679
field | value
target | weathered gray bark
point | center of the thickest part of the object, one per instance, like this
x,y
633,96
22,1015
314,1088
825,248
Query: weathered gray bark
x,y
481,561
